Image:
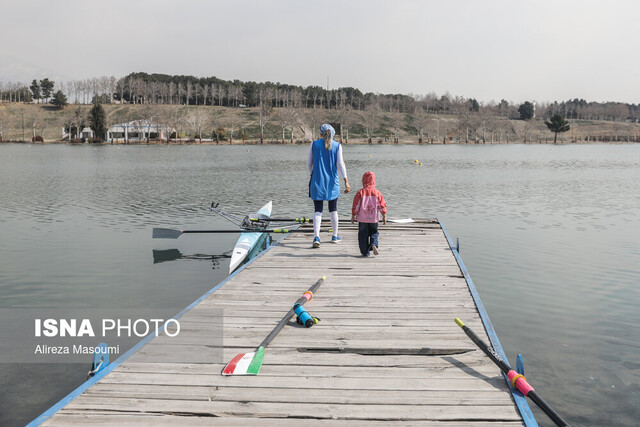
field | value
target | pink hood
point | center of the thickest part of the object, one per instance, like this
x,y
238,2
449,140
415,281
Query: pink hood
x,y
368,179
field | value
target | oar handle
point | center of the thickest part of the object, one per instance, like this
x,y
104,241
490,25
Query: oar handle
x,y
486,349
518,381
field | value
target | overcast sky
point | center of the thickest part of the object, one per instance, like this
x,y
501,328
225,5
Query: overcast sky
x,y
489,50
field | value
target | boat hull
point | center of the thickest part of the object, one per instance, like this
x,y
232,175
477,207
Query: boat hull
x,y
248,241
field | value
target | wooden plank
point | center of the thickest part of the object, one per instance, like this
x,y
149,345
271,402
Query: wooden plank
x,y
449,384
301,410
306,370
284,395
127,419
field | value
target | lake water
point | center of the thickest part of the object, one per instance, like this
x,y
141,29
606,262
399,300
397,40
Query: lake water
x,y
549,233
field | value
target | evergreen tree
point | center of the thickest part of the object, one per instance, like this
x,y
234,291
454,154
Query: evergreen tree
x,y
59,99
98,121
35,89
557,124
526,111
47,87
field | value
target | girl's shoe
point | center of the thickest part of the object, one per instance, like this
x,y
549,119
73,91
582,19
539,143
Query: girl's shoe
x,y
316,242
335,239
375,250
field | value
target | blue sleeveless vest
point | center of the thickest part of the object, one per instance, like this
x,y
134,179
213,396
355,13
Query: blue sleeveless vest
x,y
324,183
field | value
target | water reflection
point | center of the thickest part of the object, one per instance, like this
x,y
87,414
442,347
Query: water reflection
x,y
164,255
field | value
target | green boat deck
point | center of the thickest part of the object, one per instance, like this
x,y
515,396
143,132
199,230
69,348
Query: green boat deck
x,y
387,349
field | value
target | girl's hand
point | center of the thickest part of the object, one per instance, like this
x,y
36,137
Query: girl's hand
x,y
347,186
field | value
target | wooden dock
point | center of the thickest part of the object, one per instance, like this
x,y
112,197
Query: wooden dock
x,y
387,349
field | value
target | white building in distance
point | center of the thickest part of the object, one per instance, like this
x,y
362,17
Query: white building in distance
x,y
134,131
139,130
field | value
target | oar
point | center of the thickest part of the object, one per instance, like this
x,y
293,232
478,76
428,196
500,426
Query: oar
x,y
174,254
519,381
301,220
250,363
306,220
167,233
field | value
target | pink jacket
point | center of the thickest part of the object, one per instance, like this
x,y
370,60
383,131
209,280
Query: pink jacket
x,y
368,201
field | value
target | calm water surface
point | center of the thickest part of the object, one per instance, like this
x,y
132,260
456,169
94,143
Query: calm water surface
x,y
550,234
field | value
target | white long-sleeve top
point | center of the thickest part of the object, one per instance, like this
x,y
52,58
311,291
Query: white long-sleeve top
x,y
341,167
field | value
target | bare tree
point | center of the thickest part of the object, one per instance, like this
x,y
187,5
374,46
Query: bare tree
x,y
78,120
204,93
264,113
181,93
467,124
235,91
397,122
233,123
213,91
196,120
293,118
221,94
113,86
371,114
420,121
504,128
32,119
4,123
150,114
344,117
77,87
215,120
175,117
314,117
171,92
189,91
280,115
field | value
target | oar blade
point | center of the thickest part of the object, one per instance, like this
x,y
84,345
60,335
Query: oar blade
x,y
401,221
166,255
245,363
166,233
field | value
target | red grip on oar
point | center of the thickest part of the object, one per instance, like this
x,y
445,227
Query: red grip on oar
x,y
519,382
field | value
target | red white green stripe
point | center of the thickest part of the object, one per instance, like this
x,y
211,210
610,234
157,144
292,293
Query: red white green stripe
x,y
250,363
245,363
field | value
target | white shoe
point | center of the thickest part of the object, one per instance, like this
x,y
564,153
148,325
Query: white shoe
x,y
375,250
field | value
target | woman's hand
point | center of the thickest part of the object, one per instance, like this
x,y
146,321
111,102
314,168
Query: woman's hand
x,y
347,186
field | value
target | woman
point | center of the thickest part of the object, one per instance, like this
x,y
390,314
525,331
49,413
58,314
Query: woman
x,y
324,162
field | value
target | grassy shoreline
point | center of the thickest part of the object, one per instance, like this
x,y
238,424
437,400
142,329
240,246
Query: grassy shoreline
x,y
43,120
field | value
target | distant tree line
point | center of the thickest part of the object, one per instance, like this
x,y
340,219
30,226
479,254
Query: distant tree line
x,y
142,88
180,90
292,109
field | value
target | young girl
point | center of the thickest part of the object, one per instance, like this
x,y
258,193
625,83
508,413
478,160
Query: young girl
x,y
366,205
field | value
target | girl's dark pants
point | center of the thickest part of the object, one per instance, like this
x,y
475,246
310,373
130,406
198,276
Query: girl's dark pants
x,y
367,236
333,205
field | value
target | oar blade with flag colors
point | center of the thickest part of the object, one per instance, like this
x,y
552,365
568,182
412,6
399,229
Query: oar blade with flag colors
x,y
245,363
250,363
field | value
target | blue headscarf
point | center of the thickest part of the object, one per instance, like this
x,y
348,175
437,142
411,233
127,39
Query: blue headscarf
x,y
325,127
